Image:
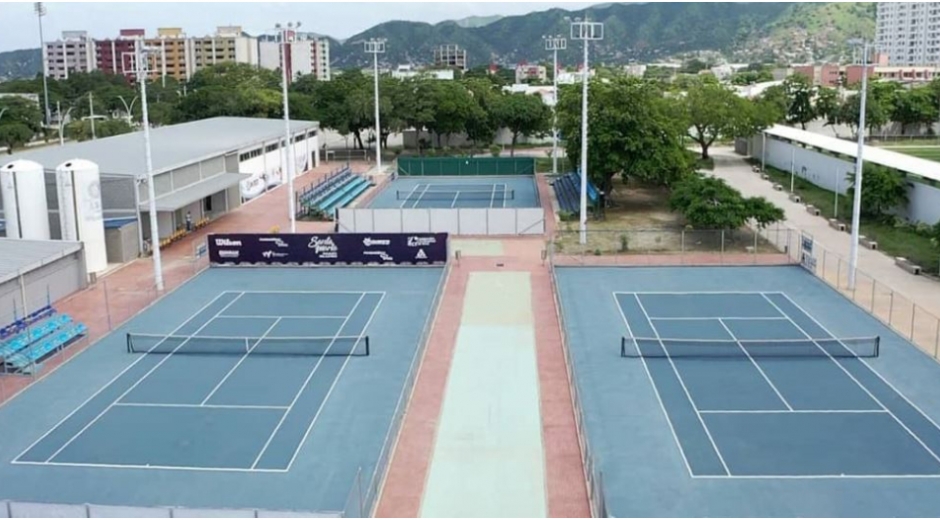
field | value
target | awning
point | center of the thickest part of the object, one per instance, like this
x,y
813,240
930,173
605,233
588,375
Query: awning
x,y
183,197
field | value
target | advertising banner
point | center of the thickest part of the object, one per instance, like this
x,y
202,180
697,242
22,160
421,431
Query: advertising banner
x,y
346,248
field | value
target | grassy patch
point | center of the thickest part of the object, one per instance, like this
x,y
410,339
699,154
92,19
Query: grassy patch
x,y
895,240
931,153
544,165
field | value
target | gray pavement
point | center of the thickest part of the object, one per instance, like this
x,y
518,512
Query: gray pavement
x,y
737,172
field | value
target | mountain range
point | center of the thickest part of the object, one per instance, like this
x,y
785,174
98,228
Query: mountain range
x,y
634,32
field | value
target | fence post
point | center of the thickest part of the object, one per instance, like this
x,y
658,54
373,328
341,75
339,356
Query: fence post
x,y
823,264
936,341
890,307
873,284
107,304
839,273
913,315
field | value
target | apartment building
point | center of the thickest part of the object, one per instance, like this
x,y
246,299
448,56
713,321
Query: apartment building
x,y
169,60
450,56
306,54
228,44
909,33
116,55
74,52
526,72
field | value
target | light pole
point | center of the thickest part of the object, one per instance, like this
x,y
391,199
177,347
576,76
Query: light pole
x,y
40,12
376,46
128,108
142,61
4,109
587,32
62,117
555,44
288,149
859,164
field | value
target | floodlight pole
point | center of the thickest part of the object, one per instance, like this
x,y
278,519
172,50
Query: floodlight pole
x,y
376,46
142,61
859,164
288,148
586,31
40,12
555,44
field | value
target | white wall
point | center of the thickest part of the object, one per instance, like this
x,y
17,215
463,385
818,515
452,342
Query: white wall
x,y
830,172
270,164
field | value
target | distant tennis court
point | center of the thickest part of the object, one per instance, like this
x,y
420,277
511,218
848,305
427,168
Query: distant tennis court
x,y
458,192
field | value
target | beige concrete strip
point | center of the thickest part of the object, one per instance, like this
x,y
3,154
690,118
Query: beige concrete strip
x,y
493,299
482,247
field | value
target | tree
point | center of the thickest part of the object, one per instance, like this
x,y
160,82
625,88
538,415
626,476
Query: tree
x,y
774,98
883,191
716,112
14,134
635,132
81,130
693,66
913,107
799,92
710,203
452,107
21,120
523,115
827,105
763,212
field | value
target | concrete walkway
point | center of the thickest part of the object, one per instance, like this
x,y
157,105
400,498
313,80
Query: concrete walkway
x,y
737,172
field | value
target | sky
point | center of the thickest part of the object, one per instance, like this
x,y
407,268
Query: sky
x,y
337,19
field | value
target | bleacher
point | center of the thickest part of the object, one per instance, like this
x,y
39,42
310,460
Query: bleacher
x,y
27,341
336,190
568,192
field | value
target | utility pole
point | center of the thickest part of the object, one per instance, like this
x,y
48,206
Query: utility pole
x,y
859,166
288,148
555,44
91,114
141,61
587,32
376,46
40,12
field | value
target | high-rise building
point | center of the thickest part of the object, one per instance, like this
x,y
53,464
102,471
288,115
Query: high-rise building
x,y
116,56
306,54
228,44
450,56
169,60
74,52
909,32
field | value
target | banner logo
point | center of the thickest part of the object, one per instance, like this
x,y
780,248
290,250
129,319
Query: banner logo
x,y
369,242
421,241
227,242
228,254
421,255
276,241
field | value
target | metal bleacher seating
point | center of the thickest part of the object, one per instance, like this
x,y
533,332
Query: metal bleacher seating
x,y
22,351
335,191
568,192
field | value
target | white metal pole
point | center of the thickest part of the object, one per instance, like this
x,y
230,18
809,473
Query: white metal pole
x,y
40,12
835,189
555,111
58,112
763,152
584,143
859,163
289,159
91,113
378,131
151,191
792,168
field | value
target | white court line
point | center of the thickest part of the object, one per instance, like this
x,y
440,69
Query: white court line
x,y
686,390
280,316
408,197
505,189
454,202
240,361
787,412
222,406
311,292
811,477
140,380
655,389
303,387
735,318
332,386
852,377
493,196
759,369
115,378
145,466
687,293
420,197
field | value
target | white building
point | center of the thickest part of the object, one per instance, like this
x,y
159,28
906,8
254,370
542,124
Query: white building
x,y
306,55
909,32
74,52
526,72
635,70
568,78
408,71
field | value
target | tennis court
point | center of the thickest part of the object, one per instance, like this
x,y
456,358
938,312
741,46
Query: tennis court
x,y
458,192
260,388
748,392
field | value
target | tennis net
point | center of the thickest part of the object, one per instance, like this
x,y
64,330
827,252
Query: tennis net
x,y
340,346
456,195
774,348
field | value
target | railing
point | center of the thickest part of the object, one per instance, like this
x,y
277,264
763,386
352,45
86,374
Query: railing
x,y
312,188
593,477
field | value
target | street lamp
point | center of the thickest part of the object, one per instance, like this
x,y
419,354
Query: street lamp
x,y
555,44
2,111
376,46
288,149
142,62
128,108
62,117
40,12
586,31
859,163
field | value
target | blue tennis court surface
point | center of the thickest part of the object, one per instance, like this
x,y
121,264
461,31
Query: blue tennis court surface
x,y
458,192
748,392
250,388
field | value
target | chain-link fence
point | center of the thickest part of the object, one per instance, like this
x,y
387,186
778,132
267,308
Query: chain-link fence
x,y
768,246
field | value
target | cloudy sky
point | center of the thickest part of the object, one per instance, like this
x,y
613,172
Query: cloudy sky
x,y
338,19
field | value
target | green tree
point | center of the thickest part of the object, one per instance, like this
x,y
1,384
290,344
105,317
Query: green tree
x,y
883,191
774,98
452,107
828,105
21,120
523,115
635,132
710,203
913,107
13,135
799,92
763,212
714,112
81,130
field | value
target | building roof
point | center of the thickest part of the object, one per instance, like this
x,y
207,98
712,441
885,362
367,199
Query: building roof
x,y
21,256
172,146
873,154
185,196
